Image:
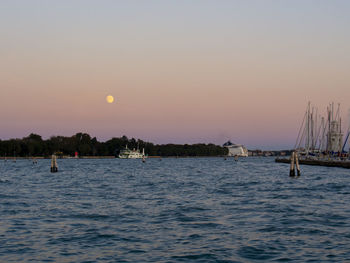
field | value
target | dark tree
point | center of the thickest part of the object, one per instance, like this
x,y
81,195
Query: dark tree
x,y
34,145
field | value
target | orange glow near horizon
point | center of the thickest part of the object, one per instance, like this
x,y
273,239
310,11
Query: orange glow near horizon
x,y
206,73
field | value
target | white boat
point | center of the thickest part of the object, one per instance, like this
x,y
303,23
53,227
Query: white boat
x,y
236,149
132,154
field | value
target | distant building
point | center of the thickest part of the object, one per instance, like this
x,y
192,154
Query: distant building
x,y
335,137
236,149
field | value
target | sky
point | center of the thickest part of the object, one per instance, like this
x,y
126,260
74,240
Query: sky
x,y
180,71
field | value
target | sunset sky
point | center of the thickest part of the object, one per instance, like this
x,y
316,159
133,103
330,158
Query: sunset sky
x,y
180,71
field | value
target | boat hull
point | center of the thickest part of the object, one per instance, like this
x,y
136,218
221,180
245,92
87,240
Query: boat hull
x,y
131,157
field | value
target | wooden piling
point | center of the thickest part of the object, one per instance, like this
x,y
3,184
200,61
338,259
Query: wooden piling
x,y
297,163
54,167
292,171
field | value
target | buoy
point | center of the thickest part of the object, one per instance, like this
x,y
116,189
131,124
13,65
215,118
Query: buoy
x,y
54,168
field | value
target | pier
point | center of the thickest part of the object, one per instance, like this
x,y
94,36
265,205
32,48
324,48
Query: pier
x,y
329,163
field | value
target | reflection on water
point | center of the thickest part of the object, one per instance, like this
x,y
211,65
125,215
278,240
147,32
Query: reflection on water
x,y
177,210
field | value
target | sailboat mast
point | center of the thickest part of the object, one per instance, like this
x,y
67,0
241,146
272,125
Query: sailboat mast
x,y
300,137
308,129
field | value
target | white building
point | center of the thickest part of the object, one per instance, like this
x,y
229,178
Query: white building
x,y
236,149
335,137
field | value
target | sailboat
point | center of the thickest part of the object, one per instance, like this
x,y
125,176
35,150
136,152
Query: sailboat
x,y
320,139
319,136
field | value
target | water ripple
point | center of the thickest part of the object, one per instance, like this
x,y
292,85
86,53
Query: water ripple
x,y
177,210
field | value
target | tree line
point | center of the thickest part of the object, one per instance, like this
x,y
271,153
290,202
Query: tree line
x,y
85,145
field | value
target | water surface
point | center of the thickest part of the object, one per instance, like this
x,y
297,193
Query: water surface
x,y
173,210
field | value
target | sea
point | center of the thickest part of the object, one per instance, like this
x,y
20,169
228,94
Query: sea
x,y
173,210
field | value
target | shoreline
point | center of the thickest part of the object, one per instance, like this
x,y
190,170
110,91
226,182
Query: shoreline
x,y
113,157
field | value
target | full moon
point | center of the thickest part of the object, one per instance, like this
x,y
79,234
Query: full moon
x,y
109,99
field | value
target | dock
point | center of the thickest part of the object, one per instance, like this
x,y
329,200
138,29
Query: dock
x,y
329,163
